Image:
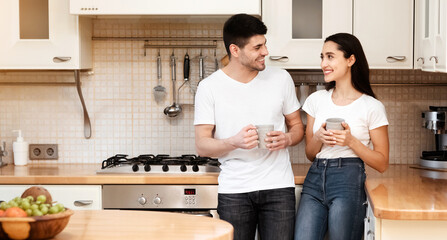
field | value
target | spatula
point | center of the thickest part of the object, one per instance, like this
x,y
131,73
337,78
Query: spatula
x,y
159,90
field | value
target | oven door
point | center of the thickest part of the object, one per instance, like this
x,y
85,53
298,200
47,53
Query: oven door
x,y
198,200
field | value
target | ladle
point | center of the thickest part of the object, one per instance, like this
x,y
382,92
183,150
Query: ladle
x,y
175,108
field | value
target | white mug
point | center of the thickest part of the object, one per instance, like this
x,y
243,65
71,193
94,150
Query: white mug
x,y
262,134
334,124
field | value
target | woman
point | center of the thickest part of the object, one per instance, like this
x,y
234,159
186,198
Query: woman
x,y
333,197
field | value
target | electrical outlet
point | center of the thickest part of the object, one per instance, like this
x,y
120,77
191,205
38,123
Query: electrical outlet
x,y
43,152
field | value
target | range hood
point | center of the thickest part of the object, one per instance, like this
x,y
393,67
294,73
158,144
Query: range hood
x,y
165,7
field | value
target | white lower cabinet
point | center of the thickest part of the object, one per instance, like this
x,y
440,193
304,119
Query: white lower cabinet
x,y
370,223
385,229
298,190
76,197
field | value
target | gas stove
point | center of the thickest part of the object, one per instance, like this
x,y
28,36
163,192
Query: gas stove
x,y
149,163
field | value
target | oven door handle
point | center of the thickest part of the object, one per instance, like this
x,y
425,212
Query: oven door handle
x,y
199,213
82,203
203,214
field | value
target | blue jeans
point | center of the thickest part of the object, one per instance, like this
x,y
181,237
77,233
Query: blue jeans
x,y
332,200
272,211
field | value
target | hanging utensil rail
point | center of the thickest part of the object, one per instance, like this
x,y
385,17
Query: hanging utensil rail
x,y
167,42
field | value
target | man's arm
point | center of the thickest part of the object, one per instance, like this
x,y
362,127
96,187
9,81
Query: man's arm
x,y
293,136
208,146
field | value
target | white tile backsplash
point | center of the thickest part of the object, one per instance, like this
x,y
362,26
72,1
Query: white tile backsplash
x,y
126,119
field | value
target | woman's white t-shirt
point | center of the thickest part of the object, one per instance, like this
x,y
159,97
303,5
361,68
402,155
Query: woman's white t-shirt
x,y
363,114
230,106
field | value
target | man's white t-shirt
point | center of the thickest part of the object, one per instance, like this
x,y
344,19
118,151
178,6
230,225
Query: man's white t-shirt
x,y
230,106
364,114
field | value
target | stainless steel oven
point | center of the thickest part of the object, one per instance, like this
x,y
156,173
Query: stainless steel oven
x,y
191,199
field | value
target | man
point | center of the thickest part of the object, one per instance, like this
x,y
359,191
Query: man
x,y
256,186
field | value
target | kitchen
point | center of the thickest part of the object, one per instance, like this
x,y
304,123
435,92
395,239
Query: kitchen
x,y
126,119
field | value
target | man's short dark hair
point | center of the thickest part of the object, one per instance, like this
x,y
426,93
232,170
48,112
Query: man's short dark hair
x,y
239,28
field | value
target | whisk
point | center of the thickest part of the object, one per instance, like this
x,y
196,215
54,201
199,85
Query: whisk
x,y
206,67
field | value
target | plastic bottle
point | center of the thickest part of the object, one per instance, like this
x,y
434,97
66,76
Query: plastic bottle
x,y
304,92
20,150
320,86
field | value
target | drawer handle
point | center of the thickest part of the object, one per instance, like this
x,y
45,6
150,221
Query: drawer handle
x,y
279,58
61,59
81,203
392,59
370,233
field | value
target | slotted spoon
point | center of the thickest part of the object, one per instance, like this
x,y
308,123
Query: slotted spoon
x,y
159,90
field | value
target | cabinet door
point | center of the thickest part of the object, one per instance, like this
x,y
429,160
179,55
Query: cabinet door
x,y
76,197
431,35
298,190
425,24
166,7
297,29
370,224
440,34
385,29
38,34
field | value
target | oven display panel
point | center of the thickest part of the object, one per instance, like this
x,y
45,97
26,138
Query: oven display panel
x,y
190,191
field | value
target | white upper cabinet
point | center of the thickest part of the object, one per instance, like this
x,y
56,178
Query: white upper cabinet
x,y
431,35
165,7
41,34
385,30
297,29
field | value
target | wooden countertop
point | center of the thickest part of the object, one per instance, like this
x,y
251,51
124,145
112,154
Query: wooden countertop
x,y
86,174
115,224
405,193
400,193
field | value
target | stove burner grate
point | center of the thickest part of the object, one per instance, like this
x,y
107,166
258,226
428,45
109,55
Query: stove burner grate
x,y
162,159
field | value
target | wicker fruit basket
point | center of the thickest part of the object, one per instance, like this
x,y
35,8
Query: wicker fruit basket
x,y
42,227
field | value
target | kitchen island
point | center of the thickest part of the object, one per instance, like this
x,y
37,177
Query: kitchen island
x,y
115,224
407,203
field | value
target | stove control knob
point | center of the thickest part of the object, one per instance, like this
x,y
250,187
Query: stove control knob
x,y
165,168
147,167
135,168
183,168
142,200
195,168
157,200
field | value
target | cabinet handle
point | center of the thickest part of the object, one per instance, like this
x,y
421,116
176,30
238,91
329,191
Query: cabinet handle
x,y
61,59
392,59
436,58
421,58
279,58
370,233
81,203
